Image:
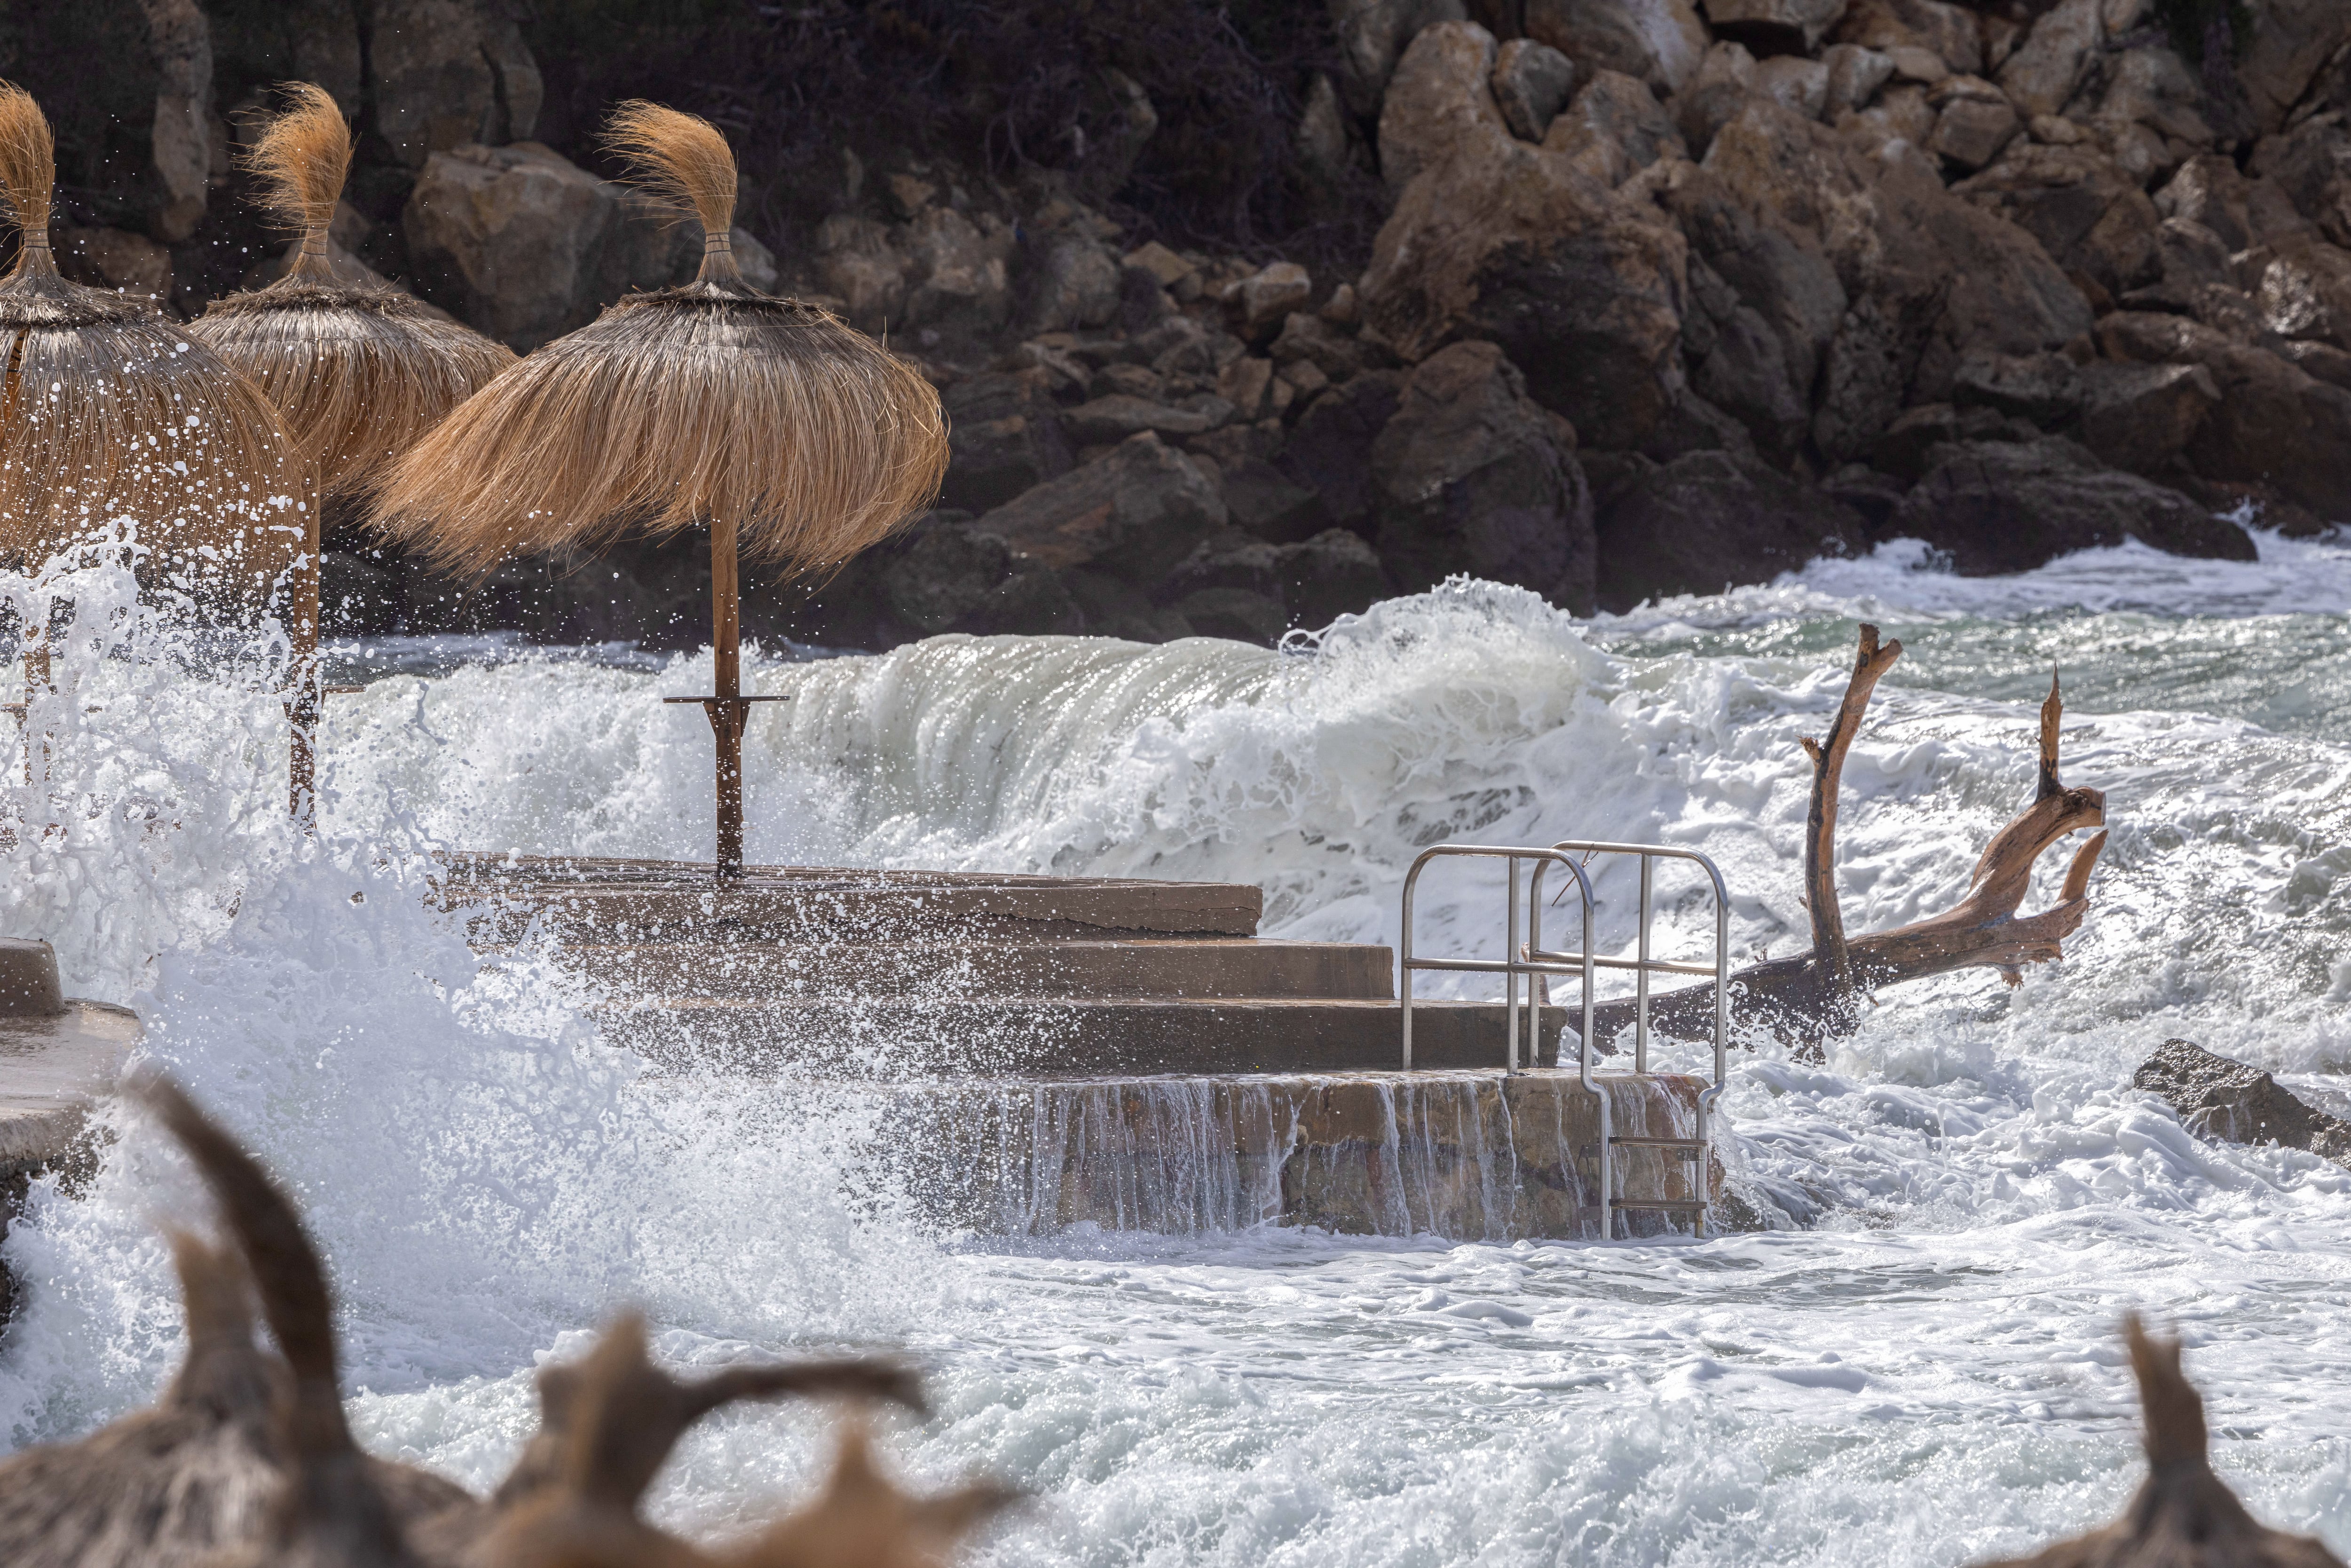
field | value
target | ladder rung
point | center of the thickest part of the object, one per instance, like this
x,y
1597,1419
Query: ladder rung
x,y
1692,1143
1658,1203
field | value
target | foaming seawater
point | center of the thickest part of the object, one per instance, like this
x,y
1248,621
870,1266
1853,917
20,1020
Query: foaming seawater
x,y
1919,1368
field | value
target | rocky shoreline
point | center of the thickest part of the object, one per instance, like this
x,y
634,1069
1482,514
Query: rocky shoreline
x,y
1663,296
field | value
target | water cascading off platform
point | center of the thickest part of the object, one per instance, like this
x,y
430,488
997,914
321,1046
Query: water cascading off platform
x,y
1045,1052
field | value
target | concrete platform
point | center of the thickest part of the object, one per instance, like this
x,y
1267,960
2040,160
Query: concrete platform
x,y
1199,967
622,901
1058,1051
983,1036
1469,1155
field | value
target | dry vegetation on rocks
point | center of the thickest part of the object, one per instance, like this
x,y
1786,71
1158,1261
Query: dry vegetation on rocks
x,y
1247,315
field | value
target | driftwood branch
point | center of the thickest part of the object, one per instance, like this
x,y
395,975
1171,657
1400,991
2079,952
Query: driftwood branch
x,y
1829,945
1818,994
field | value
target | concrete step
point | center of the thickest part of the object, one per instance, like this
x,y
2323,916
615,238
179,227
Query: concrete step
x,y
1205,966
615,901
900,1036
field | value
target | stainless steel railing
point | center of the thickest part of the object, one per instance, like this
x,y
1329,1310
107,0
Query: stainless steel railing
x,y
1523,967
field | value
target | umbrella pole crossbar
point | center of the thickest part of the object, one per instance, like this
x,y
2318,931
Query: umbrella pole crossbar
x,y
728,708
1526,961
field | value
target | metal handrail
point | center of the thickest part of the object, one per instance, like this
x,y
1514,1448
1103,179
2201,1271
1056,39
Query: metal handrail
x,y
1642,967
1526,961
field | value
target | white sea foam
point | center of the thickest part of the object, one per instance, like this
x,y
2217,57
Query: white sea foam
x,y
1925,1372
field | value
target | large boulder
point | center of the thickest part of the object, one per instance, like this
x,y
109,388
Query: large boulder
x,y
1133,515
1950,33
2311,165
1997,506
2041,74
1532,82
2142,417
2093,221
956,577
1474,478
445,73
1580,286
1440,104
1333,573
524,244
1371,35
1782,283
2274,424
1705,522
2293,42
2219,1098
1004,436
1329,454
1779,27
1927,276
1612,129
1657,42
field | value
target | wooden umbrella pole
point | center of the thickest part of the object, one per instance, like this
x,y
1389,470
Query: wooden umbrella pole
x,y
727,709
302,710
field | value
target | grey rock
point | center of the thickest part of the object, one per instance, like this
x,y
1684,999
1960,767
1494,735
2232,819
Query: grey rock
x,y
2274,424
2045,389
1738,364
1135,513
1330,450
1371,35
1263,301
2006,507
1950,33
1855,73
1118,416
2234,1102
1532,82
1473,476
2310,164
1073,283
1334,353
1440,105
1972,131
1778,25
1227,559
1333,573
445,73
958,578
1704,522
2040,77
1908,445
1657,42
1724,82
1004,436
1800,84
1237,614
2294,44
1260,499
2302,289
2142,417
1575,282
1613,128
2092,219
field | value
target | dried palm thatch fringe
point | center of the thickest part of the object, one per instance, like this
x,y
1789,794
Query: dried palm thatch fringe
x,y
2184,1515
678,408
360,371
109,411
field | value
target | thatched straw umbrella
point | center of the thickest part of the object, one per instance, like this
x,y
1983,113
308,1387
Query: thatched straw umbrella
x,y
359,370
111,412
795,440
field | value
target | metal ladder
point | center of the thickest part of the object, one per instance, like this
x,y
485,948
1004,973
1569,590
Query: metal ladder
x,y
1522,965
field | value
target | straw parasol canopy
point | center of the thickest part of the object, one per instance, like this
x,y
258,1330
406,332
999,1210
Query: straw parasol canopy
x,y
796,441
359,370
708,403
109,411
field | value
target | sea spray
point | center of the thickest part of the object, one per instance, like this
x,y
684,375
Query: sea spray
x,y
1921,1370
